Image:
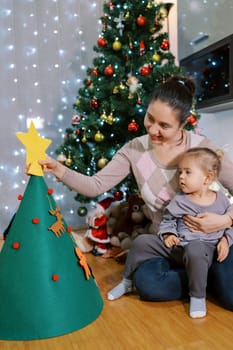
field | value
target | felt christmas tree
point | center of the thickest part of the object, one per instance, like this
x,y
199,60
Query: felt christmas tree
x,y
47,288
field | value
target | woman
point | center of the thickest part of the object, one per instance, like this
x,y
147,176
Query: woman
x,y
153,159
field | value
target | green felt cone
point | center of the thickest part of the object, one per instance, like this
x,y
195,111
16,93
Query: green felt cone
x,y
44,290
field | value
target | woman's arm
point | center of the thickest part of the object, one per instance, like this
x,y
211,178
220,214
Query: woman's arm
x,y
208,222
112,174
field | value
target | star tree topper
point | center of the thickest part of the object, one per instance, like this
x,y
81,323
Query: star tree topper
x,y
35,149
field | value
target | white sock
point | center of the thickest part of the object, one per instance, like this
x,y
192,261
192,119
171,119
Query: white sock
x,y
124,287
197,307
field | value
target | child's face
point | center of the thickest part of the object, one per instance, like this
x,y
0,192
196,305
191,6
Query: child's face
x,y
191,177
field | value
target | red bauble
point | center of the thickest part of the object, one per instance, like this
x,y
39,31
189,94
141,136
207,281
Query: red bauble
x,y
192,120
145,70
95,71
102,42
118,195
88,82
94,103
165,45
141,21
109,70
133,126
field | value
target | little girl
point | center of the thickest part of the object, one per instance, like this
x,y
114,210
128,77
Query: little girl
x,y
198,168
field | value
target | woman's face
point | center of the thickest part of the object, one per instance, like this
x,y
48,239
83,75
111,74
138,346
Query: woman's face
x,y
162,123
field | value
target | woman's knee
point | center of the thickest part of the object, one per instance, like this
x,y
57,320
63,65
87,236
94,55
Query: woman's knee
x,y
156,280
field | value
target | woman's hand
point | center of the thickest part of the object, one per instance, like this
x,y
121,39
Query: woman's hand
x,y
207,222
222,249
52,166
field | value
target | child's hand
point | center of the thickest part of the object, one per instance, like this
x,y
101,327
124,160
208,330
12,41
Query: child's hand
x,y
222,249
170,240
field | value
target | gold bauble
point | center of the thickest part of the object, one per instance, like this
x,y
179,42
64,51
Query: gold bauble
x,y
103,116
116,45
68,161
110,119
84,139
156,57
115,90
98,136
149,5
102,162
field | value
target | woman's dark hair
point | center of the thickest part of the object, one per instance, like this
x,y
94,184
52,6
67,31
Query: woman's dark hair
x,y
178,92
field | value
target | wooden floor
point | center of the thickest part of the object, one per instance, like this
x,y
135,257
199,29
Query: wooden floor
x,y
130,323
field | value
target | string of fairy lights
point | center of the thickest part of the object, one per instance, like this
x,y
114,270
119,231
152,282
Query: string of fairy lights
x,y
46,49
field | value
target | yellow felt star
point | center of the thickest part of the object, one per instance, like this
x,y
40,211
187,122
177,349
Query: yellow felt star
x,y
35,149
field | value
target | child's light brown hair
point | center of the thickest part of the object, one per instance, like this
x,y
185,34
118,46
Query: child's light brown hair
x,y
207,159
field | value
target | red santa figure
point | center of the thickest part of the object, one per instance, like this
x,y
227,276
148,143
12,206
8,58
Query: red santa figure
x,y
97,227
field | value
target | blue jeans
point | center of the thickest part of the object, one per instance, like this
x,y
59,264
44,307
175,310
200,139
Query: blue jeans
x,y
157,280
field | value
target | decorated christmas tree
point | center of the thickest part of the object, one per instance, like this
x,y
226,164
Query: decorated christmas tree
x,y
47,287
133,57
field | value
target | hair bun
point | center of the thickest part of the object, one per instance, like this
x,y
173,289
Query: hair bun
x,y
190,85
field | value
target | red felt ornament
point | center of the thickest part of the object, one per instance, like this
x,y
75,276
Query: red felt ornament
x,y
94,103
109,70
16,245
35,221
133,126
141,21
102,42
165,45
55,278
